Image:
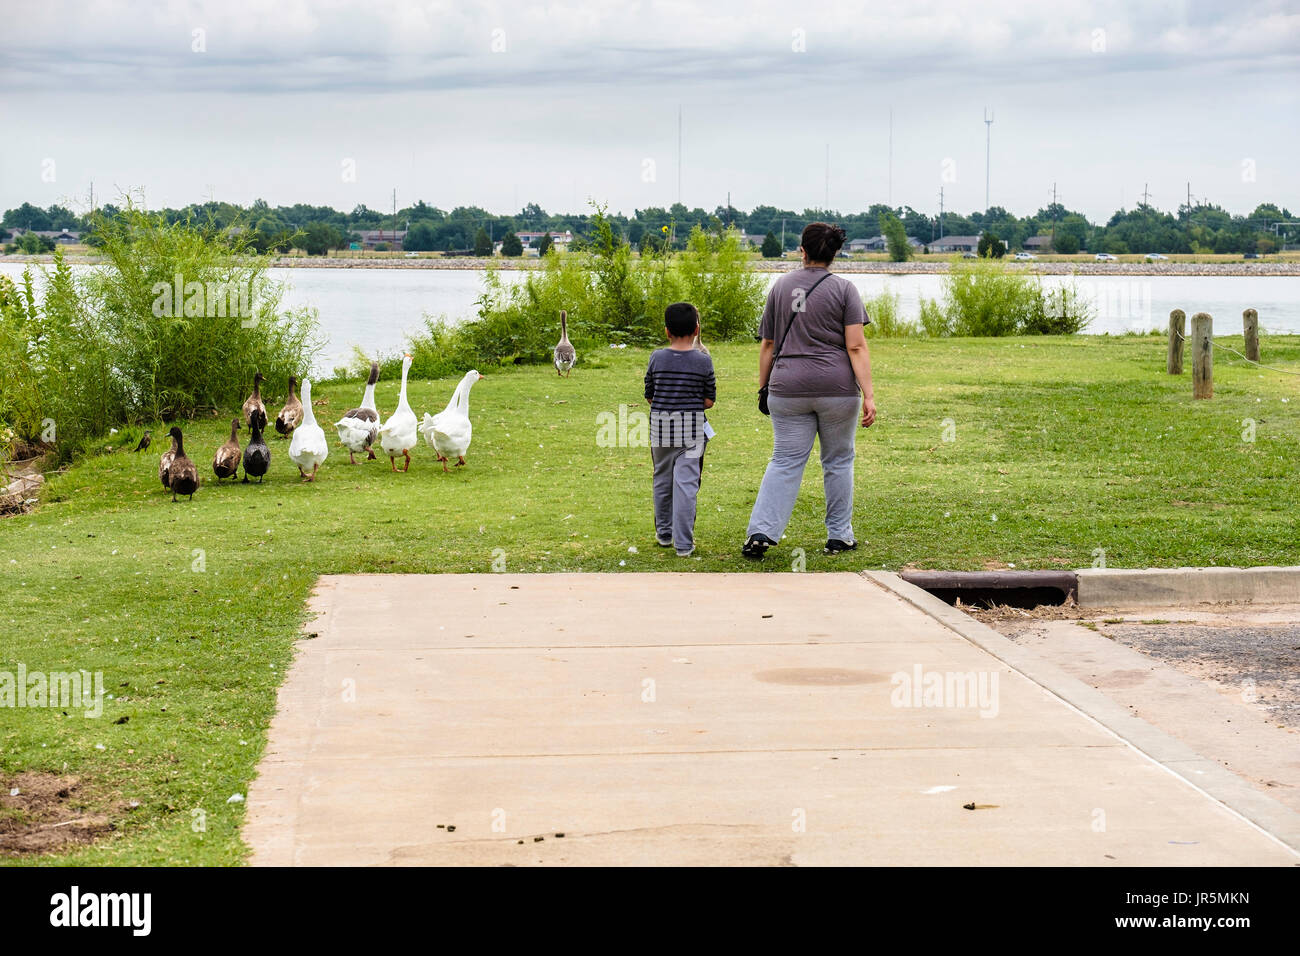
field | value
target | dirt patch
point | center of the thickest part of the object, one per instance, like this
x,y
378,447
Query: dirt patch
x,y
47,813
1001,614
1251,652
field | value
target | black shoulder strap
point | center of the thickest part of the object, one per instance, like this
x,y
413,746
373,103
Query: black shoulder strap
x,y
793,313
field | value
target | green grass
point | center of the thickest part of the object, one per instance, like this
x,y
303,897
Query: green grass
x,y
1073,443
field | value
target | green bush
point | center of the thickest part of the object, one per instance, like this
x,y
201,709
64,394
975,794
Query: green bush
x,y
982,298
934,321
886,319
715,277
117,344
612,297
1063,311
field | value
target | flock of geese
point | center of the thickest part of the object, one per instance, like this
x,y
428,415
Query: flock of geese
x,y
449,432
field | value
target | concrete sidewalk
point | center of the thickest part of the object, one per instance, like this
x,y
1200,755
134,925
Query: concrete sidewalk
x,y
695,719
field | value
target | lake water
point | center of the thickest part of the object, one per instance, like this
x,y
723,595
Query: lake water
x,y
375,309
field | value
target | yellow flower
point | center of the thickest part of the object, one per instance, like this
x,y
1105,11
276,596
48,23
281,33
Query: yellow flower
x,y
665,229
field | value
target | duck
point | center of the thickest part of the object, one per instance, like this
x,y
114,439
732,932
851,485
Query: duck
x,y
183,474
308,447
226,461
400,434
359,427
698,344
450,431
254,407
290,416
257,456
165,466
565,354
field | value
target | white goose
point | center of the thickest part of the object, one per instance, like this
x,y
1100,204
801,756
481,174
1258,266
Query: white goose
x,y
359,428
399,434
450,431
308,447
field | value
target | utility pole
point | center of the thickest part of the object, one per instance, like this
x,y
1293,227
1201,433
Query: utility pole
x,y
988,138
1146,193
940,212
783,235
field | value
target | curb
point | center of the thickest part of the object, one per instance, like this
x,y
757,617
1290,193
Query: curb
x,y
1273,818
1163,587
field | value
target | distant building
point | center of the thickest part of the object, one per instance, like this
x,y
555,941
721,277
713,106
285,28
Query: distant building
x,y
532,239
371,238
878,244
874,244
58,236
1038,244
955,244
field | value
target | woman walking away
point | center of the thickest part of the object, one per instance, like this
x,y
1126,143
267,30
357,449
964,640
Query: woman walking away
x,y
814,376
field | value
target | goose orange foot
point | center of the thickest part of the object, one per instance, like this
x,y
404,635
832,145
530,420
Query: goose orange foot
x,y
408,462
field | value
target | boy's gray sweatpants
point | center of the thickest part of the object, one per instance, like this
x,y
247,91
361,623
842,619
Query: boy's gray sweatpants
x,y
795,423
677,484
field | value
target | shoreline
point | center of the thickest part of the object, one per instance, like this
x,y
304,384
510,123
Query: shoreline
x,y
848,266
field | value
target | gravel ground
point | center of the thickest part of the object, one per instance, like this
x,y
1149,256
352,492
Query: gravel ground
x,y
1253,651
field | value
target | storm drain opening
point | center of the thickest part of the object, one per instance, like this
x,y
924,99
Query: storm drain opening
x,y
1022,589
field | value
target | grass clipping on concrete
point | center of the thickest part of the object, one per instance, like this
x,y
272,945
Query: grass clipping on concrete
x,y
1035,452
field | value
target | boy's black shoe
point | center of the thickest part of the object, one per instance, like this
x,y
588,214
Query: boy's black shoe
x,y
756,546
835,546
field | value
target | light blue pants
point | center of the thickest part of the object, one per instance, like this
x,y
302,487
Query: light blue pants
x,y
795,423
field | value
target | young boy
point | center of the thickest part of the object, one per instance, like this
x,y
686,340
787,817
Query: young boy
x,y
679,385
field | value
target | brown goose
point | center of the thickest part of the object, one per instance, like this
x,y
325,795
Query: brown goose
x,y
183,474
565,354
290,416
165,466
359,427
254,407
226,462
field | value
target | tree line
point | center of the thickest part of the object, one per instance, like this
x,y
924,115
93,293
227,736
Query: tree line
x,y
1196,228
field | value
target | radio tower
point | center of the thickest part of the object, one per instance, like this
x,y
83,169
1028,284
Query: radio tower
x,y
988,137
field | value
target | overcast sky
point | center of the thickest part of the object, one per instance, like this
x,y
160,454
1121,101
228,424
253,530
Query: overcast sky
x,y
500,104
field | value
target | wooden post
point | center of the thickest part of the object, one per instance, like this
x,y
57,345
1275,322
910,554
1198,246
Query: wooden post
x,y
1250,327
1177,326
1202,356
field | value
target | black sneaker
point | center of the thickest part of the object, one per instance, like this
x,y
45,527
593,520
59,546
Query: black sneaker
x,y
663,542
836,546
756,546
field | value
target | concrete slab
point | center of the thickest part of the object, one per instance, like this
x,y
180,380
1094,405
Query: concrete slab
x,y
1219,723
1181,587
665,719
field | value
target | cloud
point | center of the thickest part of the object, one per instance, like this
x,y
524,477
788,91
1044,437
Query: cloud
x,y
294,45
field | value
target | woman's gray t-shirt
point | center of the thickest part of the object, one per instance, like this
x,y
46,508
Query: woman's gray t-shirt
x,y
814,360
